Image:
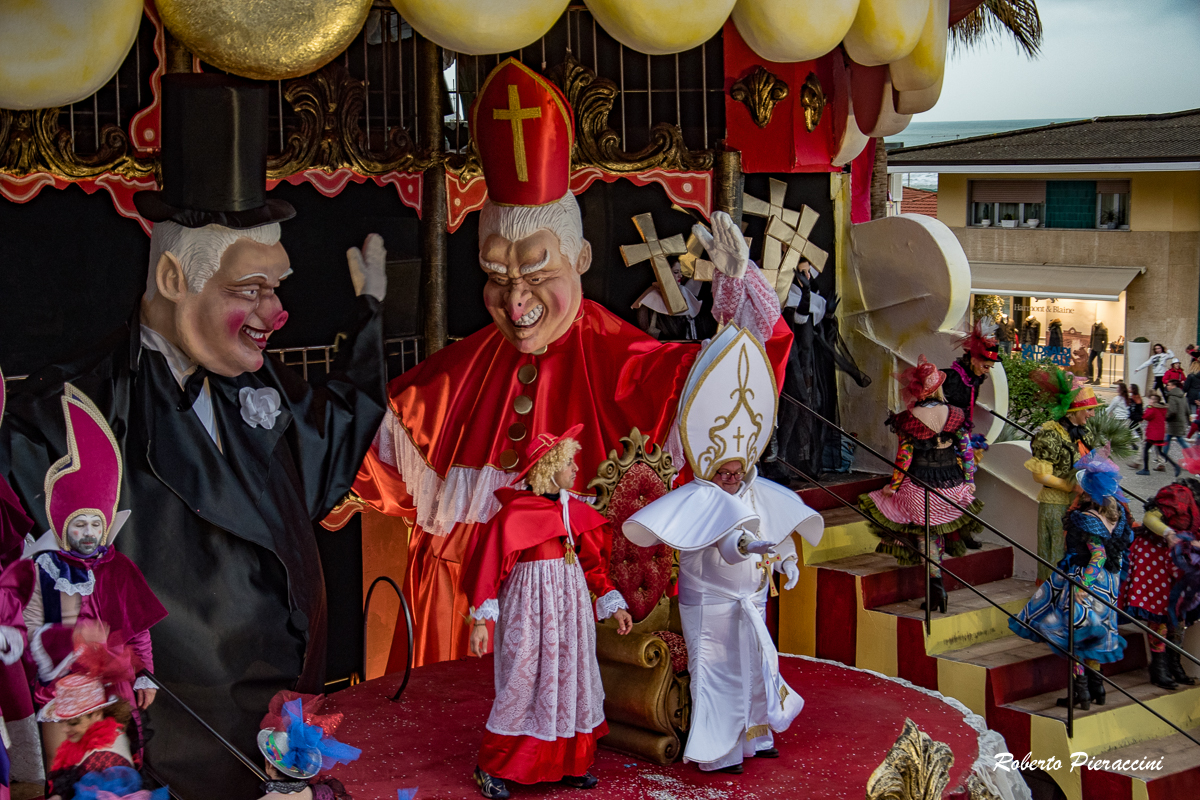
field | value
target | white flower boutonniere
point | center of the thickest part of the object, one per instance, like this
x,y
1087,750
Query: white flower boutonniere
x,y
259,406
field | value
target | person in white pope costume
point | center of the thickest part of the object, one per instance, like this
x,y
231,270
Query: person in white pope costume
x,y
733,529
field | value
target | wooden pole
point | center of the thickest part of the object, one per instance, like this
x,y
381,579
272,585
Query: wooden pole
x,y
430,136
727,183
179,58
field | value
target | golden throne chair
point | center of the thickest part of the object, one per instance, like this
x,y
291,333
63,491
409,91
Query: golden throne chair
x,y
646,701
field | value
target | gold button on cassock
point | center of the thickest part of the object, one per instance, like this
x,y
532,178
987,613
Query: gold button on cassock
x,y
516,431
508,459
527,374
522,404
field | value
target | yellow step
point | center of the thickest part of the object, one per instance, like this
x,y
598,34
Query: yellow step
x,y
969,619
846,535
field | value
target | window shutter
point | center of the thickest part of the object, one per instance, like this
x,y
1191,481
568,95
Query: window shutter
x,y
1008,191
1112,187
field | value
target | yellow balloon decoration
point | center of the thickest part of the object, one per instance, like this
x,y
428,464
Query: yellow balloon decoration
x,y
793,30
923,67
265,39
920,100
56,52
885,30
659,27
478,27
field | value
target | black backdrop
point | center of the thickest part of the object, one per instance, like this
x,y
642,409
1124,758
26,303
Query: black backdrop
x,y
72,270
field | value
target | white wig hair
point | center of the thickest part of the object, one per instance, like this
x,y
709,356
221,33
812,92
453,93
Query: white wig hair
x,y
199,250
518,222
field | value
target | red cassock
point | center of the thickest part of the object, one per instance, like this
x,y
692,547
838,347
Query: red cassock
x,y
549,707
458,419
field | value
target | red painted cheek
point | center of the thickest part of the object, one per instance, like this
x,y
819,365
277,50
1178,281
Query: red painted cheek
x,y
234,323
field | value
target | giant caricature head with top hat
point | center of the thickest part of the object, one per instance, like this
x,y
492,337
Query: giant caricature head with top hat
x,y
215,255
531,241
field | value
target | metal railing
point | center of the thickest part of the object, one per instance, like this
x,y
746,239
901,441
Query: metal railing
x,y
1069,652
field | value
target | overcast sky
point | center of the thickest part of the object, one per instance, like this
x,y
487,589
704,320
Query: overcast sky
x,y
1099,57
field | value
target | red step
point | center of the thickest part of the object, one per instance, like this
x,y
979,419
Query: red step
x,y
849,490
977,567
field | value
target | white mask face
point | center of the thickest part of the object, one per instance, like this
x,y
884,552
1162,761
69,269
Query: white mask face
x,y
84,533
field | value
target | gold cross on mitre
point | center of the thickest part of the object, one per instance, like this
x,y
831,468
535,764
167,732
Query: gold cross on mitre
x,y
657,250
517,115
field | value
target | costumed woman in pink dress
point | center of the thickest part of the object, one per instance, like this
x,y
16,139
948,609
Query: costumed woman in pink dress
x,y
935,447
532,570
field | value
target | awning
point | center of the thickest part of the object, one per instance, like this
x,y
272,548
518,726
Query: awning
x,y
1079,282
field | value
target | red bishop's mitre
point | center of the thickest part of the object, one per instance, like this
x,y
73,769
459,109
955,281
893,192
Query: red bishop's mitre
x,y
524,130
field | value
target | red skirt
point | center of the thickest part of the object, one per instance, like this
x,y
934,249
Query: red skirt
x,y
524,759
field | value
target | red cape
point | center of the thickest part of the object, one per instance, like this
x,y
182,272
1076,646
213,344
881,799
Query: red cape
x,y
608,375
526,520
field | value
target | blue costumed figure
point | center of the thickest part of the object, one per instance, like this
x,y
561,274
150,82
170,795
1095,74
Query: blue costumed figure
x,y
1098,536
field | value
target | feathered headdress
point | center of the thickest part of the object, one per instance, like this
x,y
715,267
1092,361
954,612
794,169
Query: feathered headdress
x,y
96,666
116,783
919,382
300,750
1099,476
981,342
1057,389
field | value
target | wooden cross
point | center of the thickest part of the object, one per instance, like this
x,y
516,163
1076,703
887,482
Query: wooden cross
x,y
657,250
772,250
692,263
796,240
516,115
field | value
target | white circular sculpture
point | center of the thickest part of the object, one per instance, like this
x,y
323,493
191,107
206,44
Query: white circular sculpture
x,y
478,27
659,27
885,30
56,52
793,30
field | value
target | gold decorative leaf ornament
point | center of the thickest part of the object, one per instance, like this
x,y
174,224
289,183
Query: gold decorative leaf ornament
x,y
265,39
760,92
915,768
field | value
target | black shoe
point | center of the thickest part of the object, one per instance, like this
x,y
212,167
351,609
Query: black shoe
x,y
1082,698
585,781
1175,665
1095,687
492,788
969,542
937,594
770,752
732,769
1160,672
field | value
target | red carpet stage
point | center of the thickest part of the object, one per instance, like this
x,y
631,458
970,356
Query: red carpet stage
x,y
430,737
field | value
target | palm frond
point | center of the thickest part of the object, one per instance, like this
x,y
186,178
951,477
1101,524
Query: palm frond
x,y
1017,18
1107,429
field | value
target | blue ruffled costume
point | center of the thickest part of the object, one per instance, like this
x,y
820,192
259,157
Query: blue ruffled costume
x,y
1091,552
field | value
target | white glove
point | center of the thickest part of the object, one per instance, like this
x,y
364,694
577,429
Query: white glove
x,y
367,271
792,572
756,547
726,247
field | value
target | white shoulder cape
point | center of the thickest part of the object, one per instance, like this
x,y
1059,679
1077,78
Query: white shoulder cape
x,y
691,517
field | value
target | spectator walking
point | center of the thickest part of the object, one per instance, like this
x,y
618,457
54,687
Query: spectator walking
x,y
1175,373
1120,406
1178,414
1158,362
1156,433
1135,411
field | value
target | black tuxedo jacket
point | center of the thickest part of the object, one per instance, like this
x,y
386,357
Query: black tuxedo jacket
x,y
225,539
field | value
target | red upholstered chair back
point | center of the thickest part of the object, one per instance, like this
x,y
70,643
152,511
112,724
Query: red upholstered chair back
x,y
624,483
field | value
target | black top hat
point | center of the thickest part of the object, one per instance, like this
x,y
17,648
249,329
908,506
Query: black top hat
x,y
214,155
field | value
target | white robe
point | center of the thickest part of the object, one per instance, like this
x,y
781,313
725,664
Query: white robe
x,y
738,696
